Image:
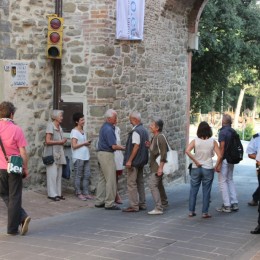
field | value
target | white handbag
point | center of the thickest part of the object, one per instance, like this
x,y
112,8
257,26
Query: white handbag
x,y
172,163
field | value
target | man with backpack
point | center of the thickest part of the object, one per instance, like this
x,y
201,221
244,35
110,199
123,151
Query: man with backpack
x,y
227,139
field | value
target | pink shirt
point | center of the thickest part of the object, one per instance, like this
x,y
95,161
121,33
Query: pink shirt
x,y
13,138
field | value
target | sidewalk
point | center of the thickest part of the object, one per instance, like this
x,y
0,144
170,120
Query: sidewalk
x,y
74,229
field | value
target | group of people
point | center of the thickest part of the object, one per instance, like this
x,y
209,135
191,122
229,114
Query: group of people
x,y
135,158
137,150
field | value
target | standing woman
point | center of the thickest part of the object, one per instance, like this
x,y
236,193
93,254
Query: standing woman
x,y
54,140
158,146
202,167
80,156
14,143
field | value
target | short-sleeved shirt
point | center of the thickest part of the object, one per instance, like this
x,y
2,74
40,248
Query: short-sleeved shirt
x,y
254,144
81,153
135,137
258,155
57,150
13,138
107,138
225,135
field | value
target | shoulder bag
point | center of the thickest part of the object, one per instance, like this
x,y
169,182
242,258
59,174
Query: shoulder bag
x,y
49,159
14,163
172,163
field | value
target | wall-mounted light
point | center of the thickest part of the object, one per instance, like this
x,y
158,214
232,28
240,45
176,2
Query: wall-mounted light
x,y
193,42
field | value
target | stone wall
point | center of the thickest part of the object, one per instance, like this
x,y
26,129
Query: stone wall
x,y
149,76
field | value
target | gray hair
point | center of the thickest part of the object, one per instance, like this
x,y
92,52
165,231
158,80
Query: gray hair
x,y
135,115
109,113
159,123
55,113
226,120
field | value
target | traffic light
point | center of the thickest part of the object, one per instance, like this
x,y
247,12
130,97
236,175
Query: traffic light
x,y
55,31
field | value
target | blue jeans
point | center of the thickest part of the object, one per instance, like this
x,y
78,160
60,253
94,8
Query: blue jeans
x,y
198,176
82,172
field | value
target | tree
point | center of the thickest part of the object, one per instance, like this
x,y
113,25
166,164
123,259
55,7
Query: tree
x,y
229,44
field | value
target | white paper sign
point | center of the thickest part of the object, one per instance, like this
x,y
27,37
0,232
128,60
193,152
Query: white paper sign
x,y
130,19
19,74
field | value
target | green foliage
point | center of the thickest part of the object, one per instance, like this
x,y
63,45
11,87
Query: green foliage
x,y
229,45
248,132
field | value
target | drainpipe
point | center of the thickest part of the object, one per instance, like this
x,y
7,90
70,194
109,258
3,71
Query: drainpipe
x,y
57,66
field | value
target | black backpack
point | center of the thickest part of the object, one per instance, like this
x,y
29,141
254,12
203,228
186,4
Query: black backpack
x,y
234,151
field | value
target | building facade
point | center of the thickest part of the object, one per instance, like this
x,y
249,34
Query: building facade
x,y
151,76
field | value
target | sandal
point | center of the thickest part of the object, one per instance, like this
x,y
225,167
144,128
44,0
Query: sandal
x,y
61,197
206,215
192,214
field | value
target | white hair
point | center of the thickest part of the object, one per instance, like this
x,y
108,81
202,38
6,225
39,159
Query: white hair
x,y
55,113
135,115
110,113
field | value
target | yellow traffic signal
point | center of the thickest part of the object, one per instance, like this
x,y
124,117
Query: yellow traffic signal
x,y
54,42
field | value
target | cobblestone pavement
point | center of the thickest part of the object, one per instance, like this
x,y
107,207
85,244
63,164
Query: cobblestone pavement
x,y
74,229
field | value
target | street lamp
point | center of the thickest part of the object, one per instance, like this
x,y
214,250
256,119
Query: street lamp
x,y
246,2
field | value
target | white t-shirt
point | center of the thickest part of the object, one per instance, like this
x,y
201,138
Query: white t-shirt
x,y
135,137
258,155
204,151
81,153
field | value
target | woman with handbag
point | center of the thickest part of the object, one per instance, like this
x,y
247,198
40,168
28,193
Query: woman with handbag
x,y
13,142
55,141
202,170
158,147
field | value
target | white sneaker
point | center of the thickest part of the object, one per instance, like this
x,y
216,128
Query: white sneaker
x,y
155,212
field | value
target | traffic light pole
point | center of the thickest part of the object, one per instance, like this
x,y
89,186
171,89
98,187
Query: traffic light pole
x,y
57,66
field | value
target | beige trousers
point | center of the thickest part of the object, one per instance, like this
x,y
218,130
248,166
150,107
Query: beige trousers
x,y
106,188
54,173
158,191
135,187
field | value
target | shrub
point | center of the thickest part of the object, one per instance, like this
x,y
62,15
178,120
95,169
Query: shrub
x,y
248,132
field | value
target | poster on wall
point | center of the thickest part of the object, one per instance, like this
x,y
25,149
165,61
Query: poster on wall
x,y
19,74
130,19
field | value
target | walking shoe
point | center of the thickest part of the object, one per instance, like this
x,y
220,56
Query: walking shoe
x,y
100,206
155,212
81,197
223,208
114,207
142,208
234,207
25,225
256,230
252,203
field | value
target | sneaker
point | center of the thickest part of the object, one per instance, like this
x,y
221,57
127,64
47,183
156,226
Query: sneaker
x,y
155,212
223,208
81,197
234,207
25,225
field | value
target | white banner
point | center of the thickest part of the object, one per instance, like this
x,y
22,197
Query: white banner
x,y
130,19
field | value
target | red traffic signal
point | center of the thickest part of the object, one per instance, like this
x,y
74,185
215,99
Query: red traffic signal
x,y
55,32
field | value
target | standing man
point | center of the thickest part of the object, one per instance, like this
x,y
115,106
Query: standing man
x,y
136,157
13,142
251,150
257,229
106,188
225,170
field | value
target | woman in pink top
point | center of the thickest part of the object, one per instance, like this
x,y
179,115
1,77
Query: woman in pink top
x,y
202,167
14,143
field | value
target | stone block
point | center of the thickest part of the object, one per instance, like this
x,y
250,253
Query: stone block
x,y
126,48
83,8
108,73
127,61
76,59
97,111
69,7
124,79
65,89
5,26
4,39
132,76
119,70
106,93
79,88
7,53
73,32
75,43
28,22
107,50
79,79
140,50
82,70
